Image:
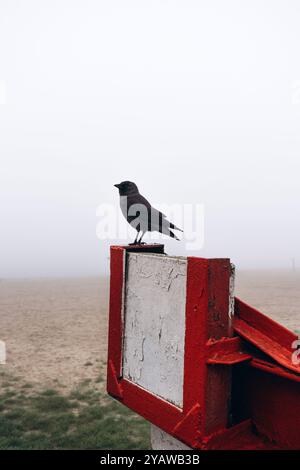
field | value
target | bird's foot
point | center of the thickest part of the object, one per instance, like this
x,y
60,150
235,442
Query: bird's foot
x,y
137,243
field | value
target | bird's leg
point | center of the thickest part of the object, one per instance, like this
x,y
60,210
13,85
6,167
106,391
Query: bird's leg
x,y
139,242
135,241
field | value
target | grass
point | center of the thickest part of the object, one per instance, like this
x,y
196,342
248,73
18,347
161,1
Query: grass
x,y
84,419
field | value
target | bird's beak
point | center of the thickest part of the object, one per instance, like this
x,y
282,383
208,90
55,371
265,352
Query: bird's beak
x,y
117,185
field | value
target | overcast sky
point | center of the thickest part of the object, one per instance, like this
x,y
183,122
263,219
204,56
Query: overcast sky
x,y
195,101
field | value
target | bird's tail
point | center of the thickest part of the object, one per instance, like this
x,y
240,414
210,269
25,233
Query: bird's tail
x,y
174,227
166,229
172,235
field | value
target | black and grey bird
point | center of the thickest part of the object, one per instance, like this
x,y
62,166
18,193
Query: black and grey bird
x,y
140,214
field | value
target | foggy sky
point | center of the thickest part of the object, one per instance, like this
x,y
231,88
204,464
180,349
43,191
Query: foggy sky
x,y
197,102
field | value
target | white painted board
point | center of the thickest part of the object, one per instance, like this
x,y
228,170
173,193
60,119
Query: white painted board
x,y
154,324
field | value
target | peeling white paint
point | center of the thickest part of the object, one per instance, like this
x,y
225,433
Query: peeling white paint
x,y
231,291
154,308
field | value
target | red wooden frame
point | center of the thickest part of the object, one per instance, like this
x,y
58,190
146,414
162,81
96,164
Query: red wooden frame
x,y
207,322
239,392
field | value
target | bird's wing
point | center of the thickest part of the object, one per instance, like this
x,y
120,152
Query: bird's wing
x,y
150,217
139,199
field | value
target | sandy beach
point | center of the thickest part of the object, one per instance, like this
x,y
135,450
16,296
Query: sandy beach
x,y
56,329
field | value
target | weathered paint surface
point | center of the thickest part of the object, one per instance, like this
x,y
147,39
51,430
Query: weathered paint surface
x,y
154,305
231,290
231,384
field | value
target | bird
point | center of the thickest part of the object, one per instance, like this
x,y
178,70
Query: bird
x,y
141,215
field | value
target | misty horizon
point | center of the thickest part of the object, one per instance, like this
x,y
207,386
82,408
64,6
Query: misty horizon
x,y
195,103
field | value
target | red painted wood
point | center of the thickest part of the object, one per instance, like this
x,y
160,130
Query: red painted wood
x,y
219,323
229,359
115,333
239,437
156,410
188,429
263,324
218,378
275,407
274,369
226,351
207,304
224,345
267,335
270,383
195,336
115,387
